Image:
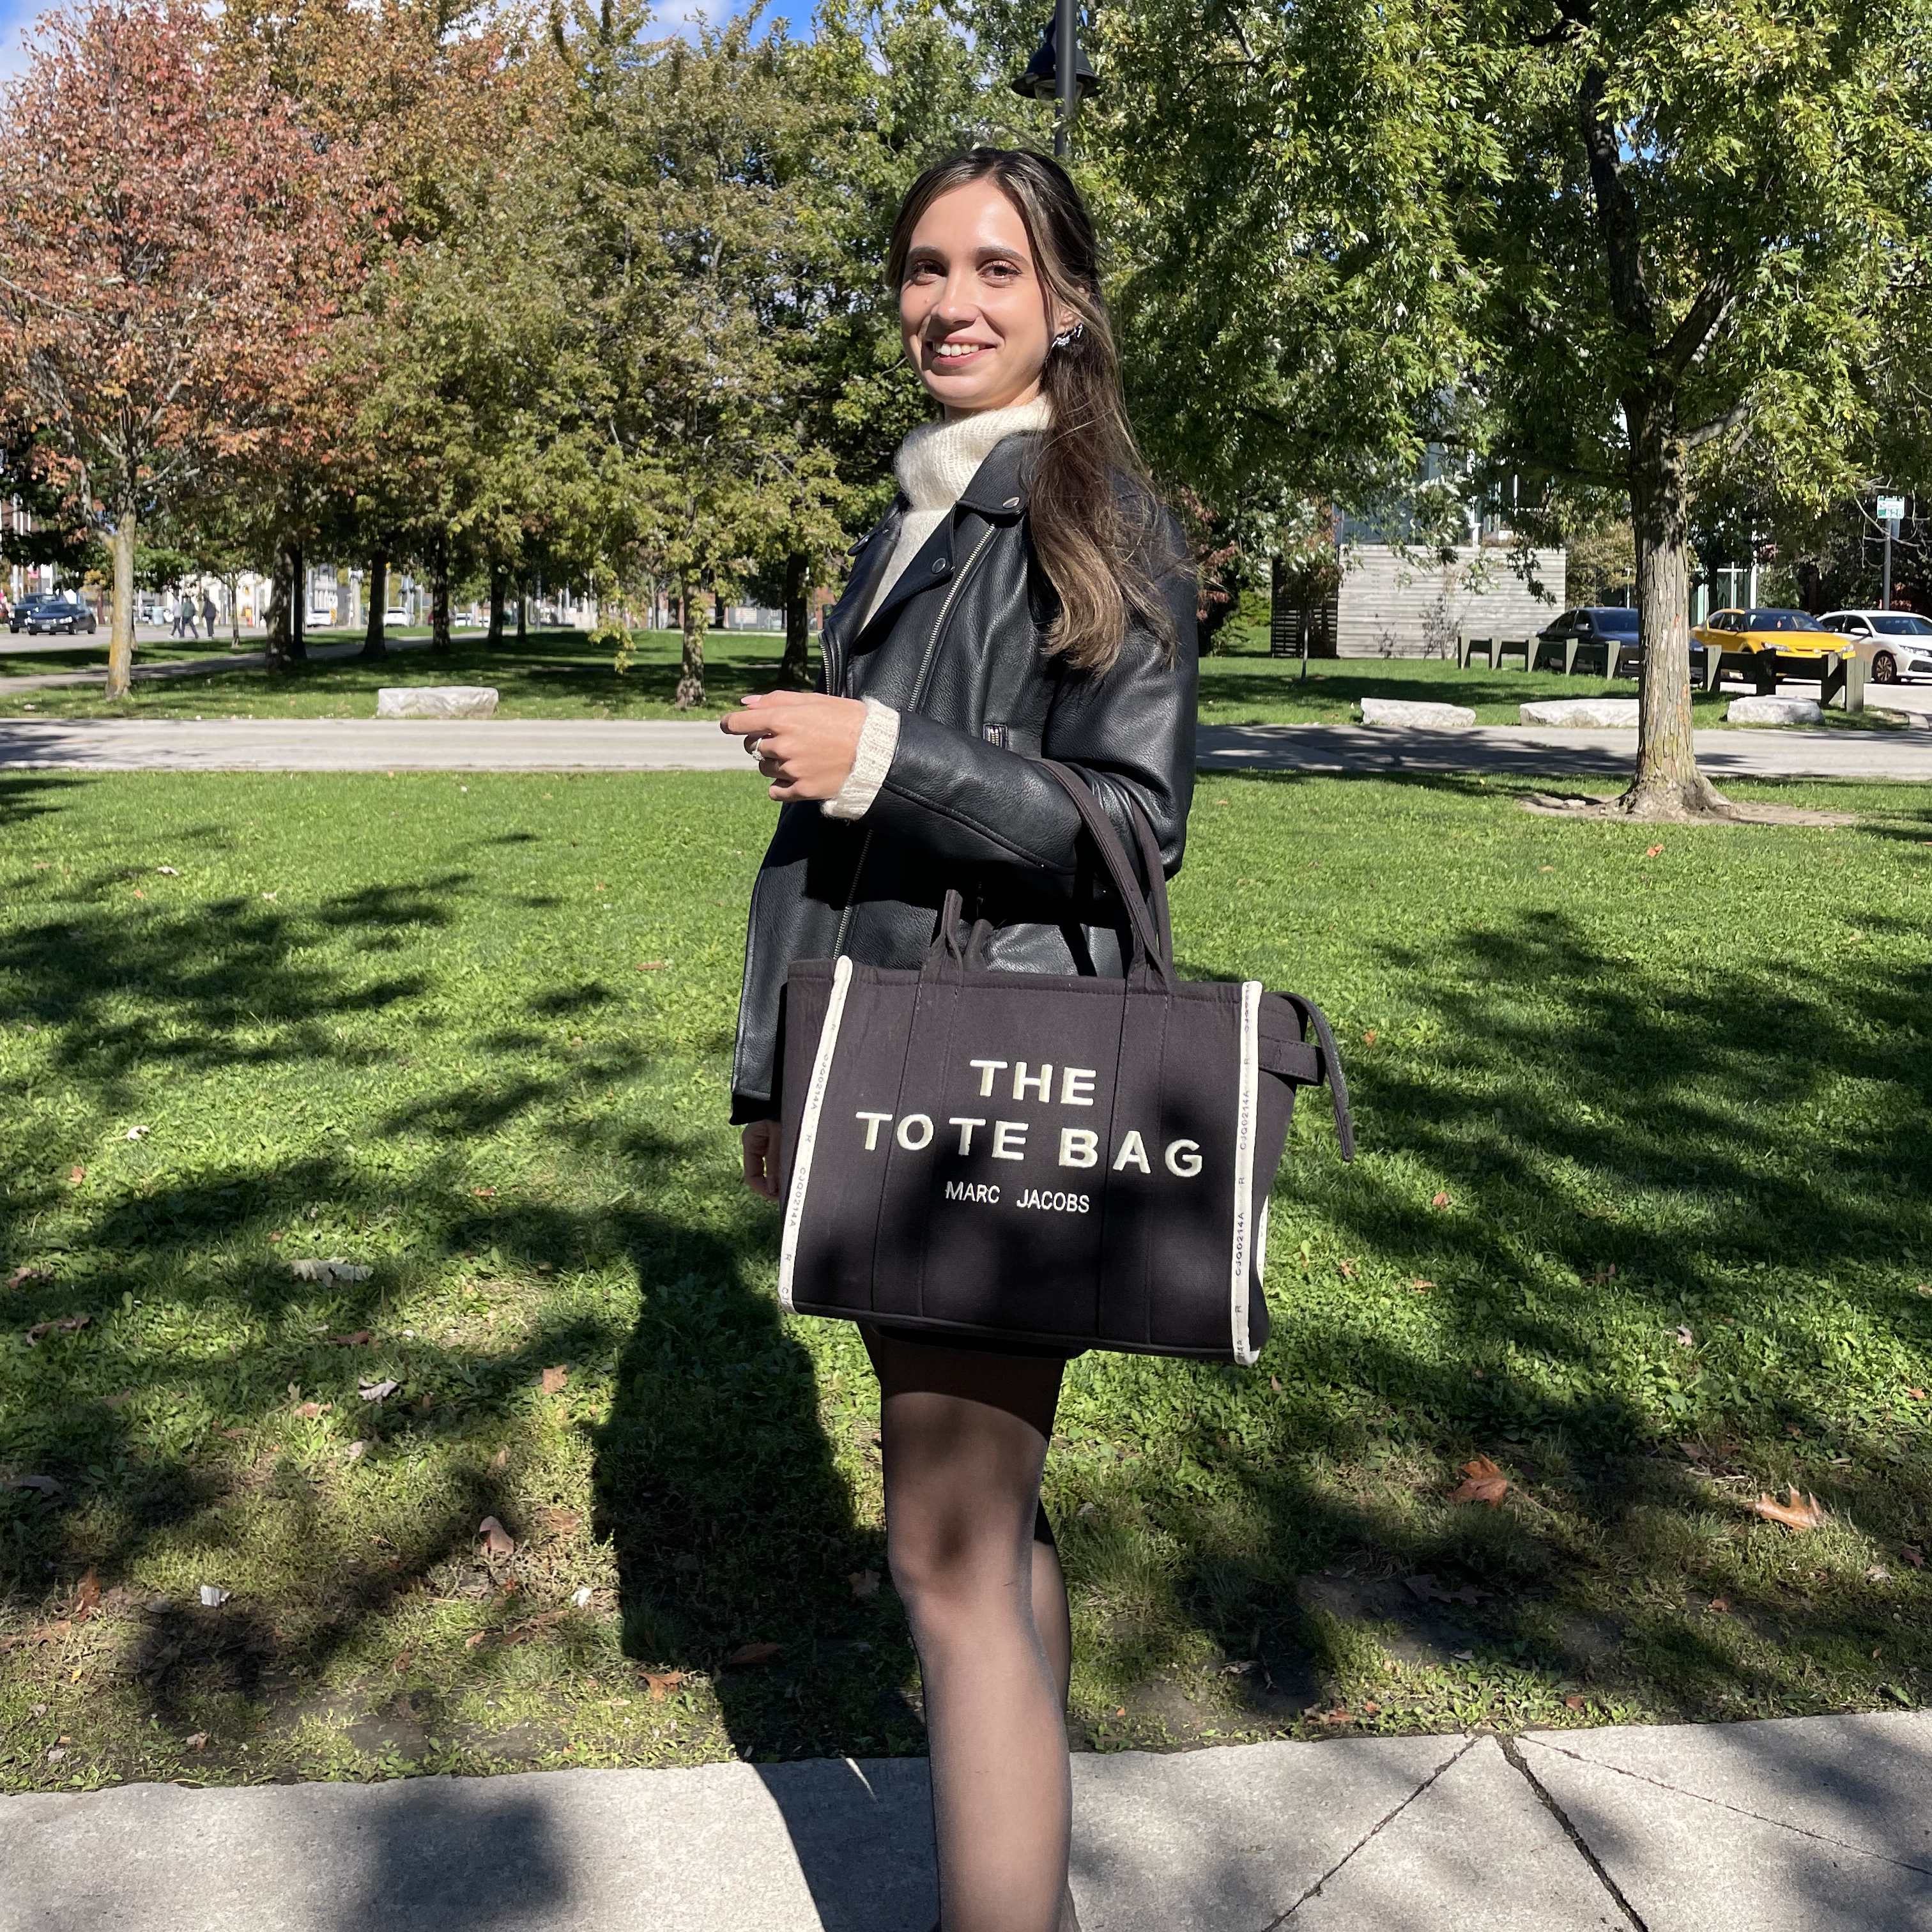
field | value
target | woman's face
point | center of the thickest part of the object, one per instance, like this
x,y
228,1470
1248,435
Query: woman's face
x,y
972,308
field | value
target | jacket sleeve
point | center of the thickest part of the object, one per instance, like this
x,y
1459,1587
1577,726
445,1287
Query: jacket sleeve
x,y
1129,731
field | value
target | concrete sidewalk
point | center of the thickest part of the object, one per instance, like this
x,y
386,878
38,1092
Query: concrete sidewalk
x,y
1805,1825
622,745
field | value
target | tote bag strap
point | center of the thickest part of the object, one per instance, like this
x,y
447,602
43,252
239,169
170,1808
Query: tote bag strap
x,y
1147,912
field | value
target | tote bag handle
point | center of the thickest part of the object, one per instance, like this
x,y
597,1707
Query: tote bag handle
x,y
1153,934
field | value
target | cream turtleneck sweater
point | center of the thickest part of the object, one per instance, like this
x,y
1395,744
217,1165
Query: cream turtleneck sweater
x,y
934,464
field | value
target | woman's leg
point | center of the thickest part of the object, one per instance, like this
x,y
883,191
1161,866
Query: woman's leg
x,y
964,1436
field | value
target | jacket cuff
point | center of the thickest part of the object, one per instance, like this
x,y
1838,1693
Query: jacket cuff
x,y
878,741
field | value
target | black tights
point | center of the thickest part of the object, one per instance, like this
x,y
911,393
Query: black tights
x,y
964,1435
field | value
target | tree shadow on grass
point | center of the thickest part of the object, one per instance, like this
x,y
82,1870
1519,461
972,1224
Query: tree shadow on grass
x,y
1669,1236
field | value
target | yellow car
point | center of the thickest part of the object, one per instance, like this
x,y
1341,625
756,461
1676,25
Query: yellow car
x,y
1773,634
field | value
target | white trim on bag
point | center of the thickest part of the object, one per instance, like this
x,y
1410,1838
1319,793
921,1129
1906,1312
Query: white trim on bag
x,y
1241,1260
807,1128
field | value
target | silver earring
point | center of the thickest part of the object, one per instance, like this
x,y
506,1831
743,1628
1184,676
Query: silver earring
x,y
1067,337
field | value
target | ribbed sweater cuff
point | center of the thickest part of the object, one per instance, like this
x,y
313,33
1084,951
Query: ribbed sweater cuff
x,y
878,741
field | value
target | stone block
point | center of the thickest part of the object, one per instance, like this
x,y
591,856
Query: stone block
x,y
436,700
1773,711
1581,714
1406,711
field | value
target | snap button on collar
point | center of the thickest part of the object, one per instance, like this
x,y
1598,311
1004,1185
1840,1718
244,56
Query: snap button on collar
x,y
1012,503
939,566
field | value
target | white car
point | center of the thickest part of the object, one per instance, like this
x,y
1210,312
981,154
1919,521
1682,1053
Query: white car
x,y
393,615
1895,643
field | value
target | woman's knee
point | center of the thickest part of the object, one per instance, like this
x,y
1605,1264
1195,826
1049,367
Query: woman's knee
x,y
952,1564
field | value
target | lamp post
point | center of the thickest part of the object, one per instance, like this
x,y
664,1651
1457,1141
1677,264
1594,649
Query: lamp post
x,y
1066,82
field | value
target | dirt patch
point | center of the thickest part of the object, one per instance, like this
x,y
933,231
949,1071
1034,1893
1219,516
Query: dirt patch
x,y
1555,805
1425,1634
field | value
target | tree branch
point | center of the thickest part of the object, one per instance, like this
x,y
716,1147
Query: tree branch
x,y
1733,417
1616,211
1704,317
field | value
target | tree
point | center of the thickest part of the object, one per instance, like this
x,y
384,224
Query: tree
x,y
1683,268
169,240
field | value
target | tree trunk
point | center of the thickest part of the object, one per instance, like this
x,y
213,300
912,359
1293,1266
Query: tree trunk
x,y
374,643
120,636
439,596
793,672
283,638
233,582
298,605
523,601
1668,784
496,589
690,674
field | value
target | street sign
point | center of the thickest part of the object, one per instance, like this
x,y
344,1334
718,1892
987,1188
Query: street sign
x,y
1891,509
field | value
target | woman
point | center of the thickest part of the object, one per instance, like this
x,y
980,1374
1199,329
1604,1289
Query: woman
x,y
1025,598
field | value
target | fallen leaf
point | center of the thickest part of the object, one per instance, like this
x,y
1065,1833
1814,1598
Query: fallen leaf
x,y
1877,1572
661,1681
1653,851
377,1391
1792,1428
499,1462
1486,1484
1917,1395
1368,1038
747,1654
553,1380
1463,1656
474,1639
355,1452
234,1434
269,895
333,1269
1420,1287
137,1133
1910,1552
1426,1589
45,1485
1347,1270
1572,1703
310,1411
139,894
1721,1604
1337,1716
1797,1512
864,1582
484,1193
652,965
497,1541
358,1340
66,1324
167,871
87,1594
213,1596
1603,1274
1685,1340
1468,1594
1440,1200
22,1277
1274,1383
196,1740
401,1661
580,1597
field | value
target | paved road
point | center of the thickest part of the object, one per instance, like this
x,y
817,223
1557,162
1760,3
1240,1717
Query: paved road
x,y
550,744
230,660
1808,1825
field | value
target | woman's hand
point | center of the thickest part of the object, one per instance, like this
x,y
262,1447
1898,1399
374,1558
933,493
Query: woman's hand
x,y
761,1158
805,743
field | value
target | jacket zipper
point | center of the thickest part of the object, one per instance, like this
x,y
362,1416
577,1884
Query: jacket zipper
x,y
919,683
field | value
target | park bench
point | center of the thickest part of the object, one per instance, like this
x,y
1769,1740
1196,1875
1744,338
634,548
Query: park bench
x,y
1494,650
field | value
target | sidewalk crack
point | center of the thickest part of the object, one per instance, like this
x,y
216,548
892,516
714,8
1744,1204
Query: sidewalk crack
x,y
1512,1751
1782,1824
1315,1890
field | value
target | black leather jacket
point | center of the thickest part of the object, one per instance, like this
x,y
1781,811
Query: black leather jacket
x,y
956,649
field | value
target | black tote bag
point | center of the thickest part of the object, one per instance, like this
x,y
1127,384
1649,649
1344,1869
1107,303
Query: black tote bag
x,y
1058,1162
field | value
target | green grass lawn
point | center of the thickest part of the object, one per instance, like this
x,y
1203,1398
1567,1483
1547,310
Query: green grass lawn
x,y
557,674
1641,1215
554,674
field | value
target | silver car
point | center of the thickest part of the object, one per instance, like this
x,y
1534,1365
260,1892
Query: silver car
x,y
1896,644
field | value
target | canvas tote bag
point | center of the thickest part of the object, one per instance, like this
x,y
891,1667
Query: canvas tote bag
x,y
1024,1157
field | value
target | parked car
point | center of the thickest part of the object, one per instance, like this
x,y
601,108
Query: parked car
x,y
1895,644
63,611
1602,633
1795,636
16,618
393,615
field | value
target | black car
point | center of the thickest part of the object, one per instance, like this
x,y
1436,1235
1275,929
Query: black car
x,y
24,608
63,611
1598,638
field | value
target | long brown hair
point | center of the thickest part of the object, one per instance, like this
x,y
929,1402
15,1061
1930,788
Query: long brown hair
x,y
1095,522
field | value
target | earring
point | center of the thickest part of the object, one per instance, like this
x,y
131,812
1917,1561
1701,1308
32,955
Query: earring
x,y
1067,337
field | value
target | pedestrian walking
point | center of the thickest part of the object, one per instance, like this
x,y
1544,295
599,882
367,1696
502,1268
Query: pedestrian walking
x,y
187,629
1025,598
207,615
